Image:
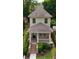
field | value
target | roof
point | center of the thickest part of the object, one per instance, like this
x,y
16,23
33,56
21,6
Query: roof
x,y
40,28
40,12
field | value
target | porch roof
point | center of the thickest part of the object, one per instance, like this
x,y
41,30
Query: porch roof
x,y
40,28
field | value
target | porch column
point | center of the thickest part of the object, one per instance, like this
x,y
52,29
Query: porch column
x,y
30,37
49,37
37,37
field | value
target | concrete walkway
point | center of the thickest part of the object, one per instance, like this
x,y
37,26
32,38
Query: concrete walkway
x,y
32,56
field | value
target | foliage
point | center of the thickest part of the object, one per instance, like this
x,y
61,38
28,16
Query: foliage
x,y
25,43
53,36
25,26
53,51
50,6
53,22
28,6
49,55
43,47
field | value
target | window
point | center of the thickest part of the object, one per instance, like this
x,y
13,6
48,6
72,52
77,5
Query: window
x,y
34,20
46,20
43,36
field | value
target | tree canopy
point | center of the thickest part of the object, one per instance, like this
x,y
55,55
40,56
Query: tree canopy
x,y
28,6
50,6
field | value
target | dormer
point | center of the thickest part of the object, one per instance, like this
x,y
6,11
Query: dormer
x,y
40,15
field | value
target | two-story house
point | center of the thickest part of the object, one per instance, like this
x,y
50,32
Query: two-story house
x,y
40,30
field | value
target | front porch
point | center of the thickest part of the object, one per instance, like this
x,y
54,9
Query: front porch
x,y
40,37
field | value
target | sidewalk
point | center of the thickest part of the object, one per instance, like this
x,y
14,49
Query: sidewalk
x,y
32,56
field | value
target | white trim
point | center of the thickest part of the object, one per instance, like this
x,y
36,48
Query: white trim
x,y
43,39
30,37
40,32
37,38
50,40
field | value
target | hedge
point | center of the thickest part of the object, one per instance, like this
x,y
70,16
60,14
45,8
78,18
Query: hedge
x,y
25,43
43,47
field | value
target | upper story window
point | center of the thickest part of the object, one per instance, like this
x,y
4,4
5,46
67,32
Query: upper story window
x,y
34,20
46,20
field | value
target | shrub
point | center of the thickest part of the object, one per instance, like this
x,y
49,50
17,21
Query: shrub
x,y
43,47
25,43
53,22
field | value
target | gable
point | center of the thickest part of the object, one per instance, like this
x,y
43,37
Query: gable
x,y
40,12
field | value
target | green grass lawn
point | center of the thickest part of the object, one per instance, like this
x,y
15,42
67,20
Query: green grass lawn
x,y
48,55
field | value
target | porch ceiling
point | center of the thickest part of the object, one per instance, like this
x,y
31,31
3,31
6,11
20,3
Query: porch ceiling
x,y
40,28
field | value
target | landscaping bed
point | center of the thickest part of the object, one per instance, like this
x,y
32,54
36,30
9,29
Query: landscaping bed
x,y
46,51
48,55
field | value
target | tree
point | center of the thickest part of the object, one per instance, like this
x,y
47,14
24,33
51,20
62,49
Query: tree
x,y
25,43
53,22
50,6
28,6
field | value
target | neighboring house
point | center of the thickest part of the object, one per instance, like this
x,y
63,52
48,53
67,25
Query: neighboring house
x,y
39,30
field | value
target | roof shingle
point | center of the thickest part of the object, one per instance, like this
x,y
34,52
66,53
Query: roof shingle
x,y
40,27
40,12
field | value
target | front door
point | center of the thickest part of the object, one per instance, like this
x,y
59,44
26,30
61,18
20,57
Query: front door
x,y
34,37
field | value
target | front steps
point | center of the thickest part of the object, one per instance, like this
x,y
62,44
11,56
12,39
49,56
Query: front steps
x,y
33,50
